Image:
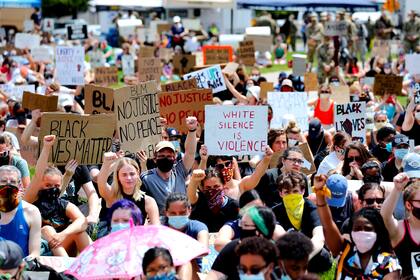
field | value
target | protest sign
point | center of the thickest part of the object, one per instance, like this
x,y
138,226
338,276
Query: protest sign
x,y
84,138
412,62
191,24
99,99
106,75
299,64
335,28
258,30
97,58
163,28
33,101
181,85
210,77
165,54
261,43
265,88
217,54
149,69
154,30
381,48
183,63
28,25
127,27
137,113
77,31
127,62
230,68
142,34
48,24
308,166
311,81
236,130
146,51
340,94
231,40
27,41
70,65
292,103
390,84
176,106
16,92
351,118
368,81
43,53
246,52
416,93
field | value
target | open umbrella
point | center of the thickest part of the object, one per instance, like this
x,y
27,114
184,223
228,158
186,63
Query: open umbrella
x,y
120,254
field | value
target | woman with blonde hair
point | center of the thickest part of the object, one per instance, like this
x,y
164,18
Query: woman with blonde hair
x,y
294,134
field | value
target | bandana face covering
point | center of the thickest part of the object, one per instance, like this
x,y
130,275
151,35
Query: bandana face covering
x,y
8,198
227,174
294,208
214,199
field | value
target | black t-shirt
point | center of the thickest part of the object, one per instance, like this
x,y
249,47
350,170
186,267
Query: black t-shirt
x,y
214,221
381,153
310,218
227,261
81,176
340,214
389,170
53,213
413,133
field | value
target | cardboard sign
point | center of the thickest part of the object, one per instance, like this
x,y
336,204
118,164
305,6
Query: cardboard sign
x,y
70,65
246,52
146,51
163,28
391,84
340,94
230,68
28,25
308,166
335,28
265,88
137,113
181,85
412,62
127,62
33,101
261,43
311,81
210,77
27,41
99,100
176,106
106,75
16,92
165,54
299,64
351,118
84,138
381,48
292,103
97,58
149,69
77,32
236,130
43,54
48,24
217,54
183,63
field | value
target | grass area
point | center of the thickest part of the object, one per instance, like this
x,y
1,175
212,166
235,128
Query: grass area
x,y
278,67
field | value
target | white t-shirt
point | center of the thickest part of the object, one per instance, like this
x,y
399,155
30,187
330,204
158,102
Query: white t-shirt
x,y
328,163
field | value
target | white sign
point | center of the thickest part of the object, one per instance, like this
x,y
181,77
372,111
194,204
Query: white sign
x,y
27,41
335,28
299,64
127,62
412,62
97,58
191,24
210,77
351,118
236,130
258,30
16,92
70,65
48,24
127,27
28,25
289,103
43,53
231,40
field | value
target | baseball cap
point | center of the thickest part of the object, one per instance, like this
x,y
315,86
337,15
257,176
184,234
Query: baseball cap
x,y
287,82
411,165
400,139
338,186
282,75
11,255
172,132
314,128
164,145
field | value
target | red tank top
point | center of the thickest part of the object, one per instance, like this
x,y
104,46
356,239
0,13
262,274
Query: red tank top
x,y
326,117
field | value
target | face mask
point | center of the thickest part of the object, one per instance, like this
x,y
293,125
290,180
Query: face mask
x,y
8,198
388,147
227,174
178,222
379,125
4,158
244,233
354,98
255,77
119,226
364,240
324,95
292,142
400,153
294,208
259,276
417,116
214,198
416,212
165,164
165,276
370,126
49,194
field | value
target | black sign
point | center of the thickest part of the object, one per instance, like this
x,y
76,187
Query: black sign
x,y
77,32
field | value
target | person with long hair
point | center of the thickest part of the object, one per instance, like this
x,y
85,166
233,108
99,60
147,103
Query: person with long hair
x,y
336,155
355,156
368,254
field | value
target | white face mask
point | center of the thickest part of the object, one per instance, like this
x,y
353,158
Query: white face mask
x,y
292,142
324,95
417,116
364,240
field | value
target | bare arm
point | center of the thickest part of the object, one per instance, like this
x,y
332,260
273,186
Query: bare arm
x,y
318,241
93,202
235,93
251,181
79,222
203,238
203,157
190,143
409,116
196,177
106,191
152,210
26,136
224,236
34,222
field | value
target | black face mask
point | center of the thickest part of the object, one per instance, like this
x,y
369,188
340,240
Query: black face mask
x,y
165,164
416,212
4,158
49,194
244,233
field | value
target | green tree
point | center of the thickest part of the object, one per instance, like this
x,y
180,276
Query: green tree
x,y
59,8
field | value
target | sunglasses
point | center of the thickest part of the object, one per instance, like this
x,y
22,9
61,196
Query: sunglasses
x,y
295,160
252,270
355,158
370,201
223,165
326,91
